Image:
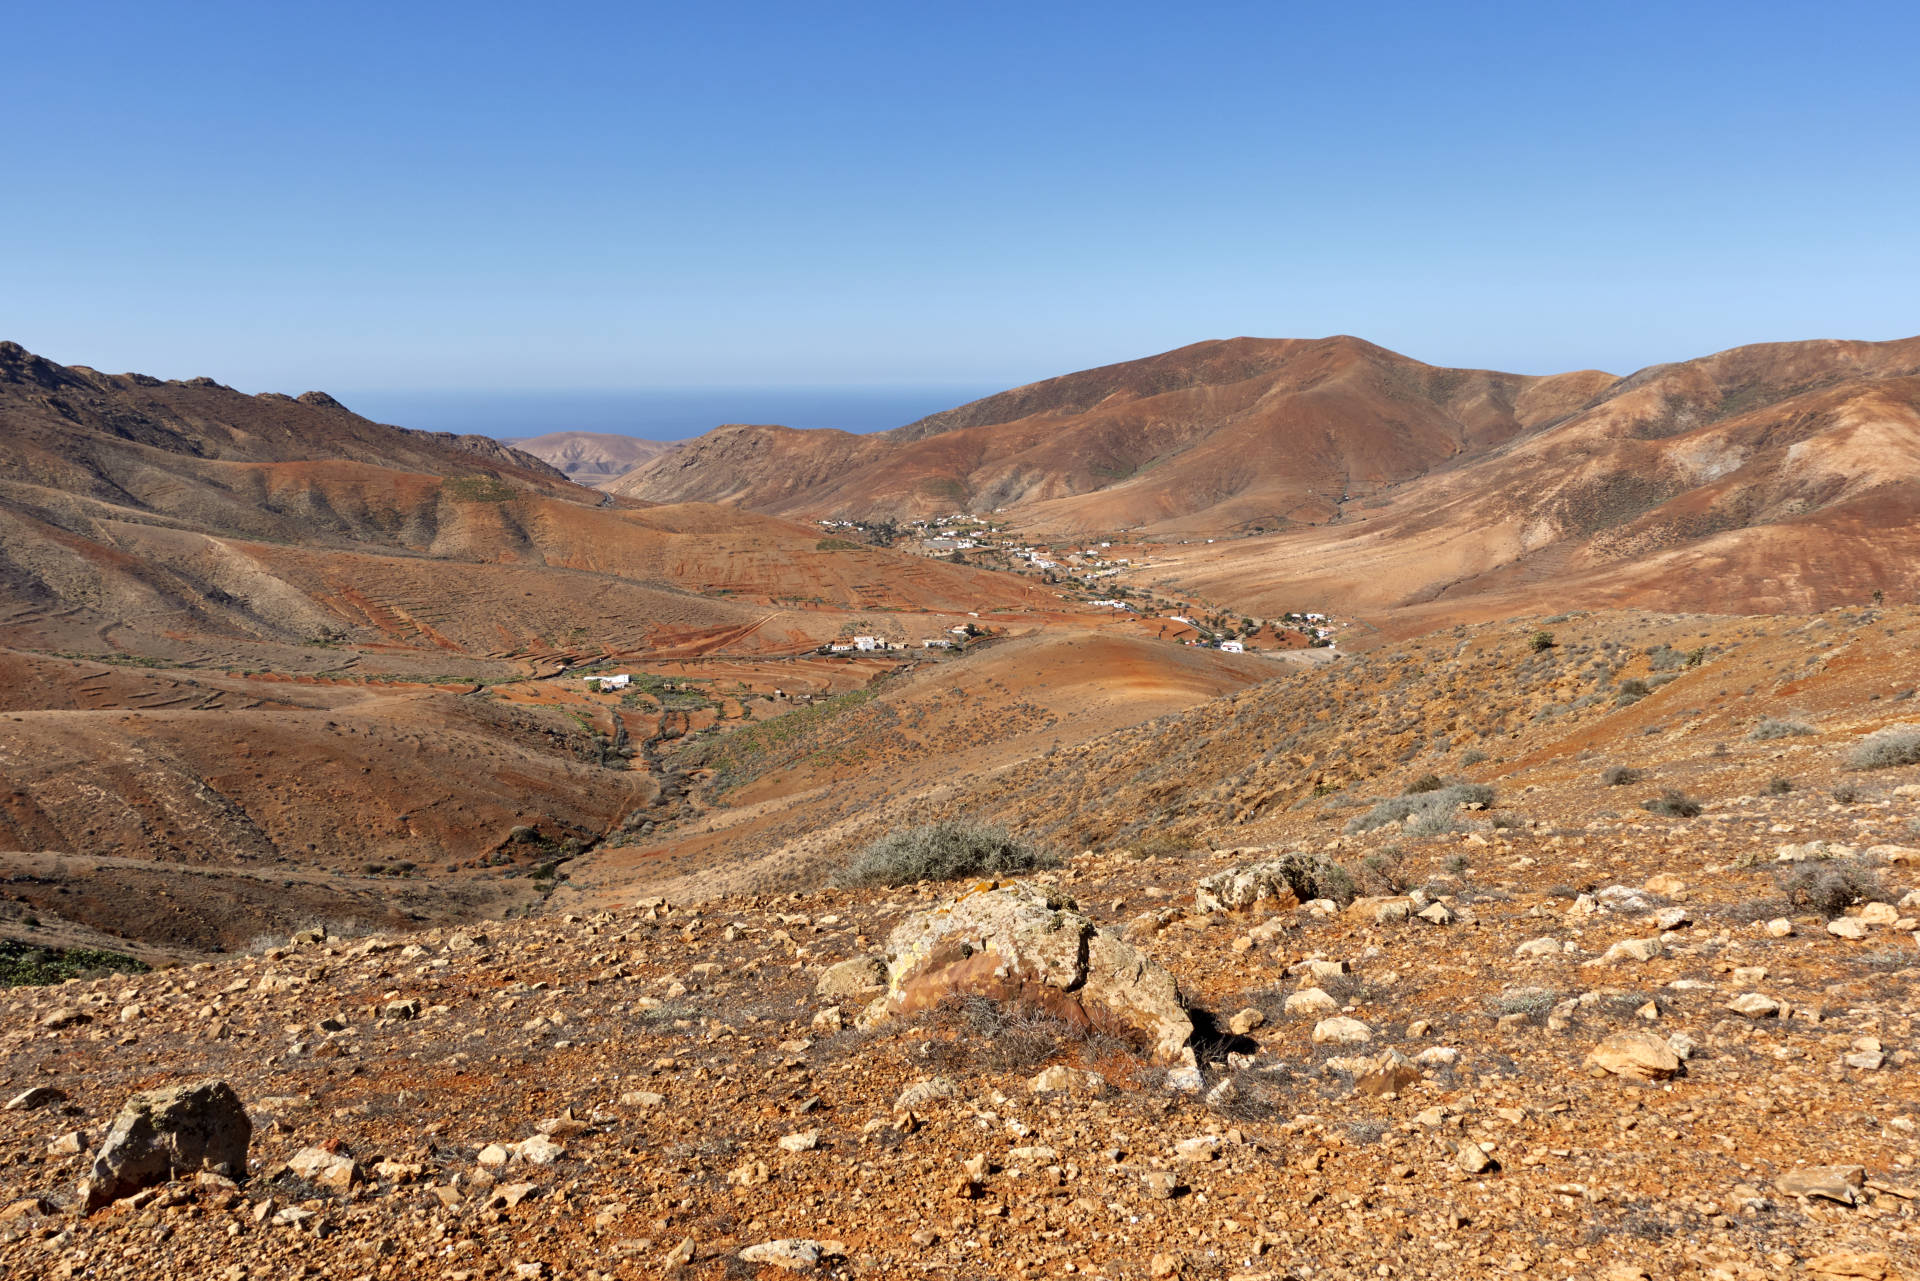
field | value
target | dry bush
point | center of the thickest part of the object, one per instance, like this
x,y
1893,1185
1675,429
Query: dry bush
x,y
1622,775
1672,803
1830,888
942,851
1894,745
1770,729
1009,1036
1432,812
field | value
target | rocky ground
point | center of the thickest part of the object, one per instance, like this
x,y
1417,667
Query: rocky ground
x,y
1404,1086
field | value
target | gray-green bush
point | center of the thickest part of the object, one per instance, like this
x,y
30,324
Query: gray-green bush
x,y
1431,812
1771,729
1894,745
943,851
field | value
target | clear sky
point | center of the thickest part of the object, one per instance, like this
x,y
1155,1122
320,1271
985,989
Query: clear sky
x,y
418,196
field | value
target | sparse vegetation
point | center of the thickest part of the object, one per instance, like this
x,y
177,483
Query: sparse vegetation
x,y
1833,886
1672,803
1779,785
1430,813
942,851
1622,775
1540,642
28,965
1894,745
1770,729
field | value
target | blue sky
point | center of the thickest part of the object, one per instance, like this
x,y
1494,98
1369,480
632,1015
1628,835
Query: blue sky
x,y
602,197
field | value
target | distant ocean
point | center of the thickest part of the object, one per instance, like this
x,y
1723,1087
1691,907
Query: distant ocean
x,y
668,414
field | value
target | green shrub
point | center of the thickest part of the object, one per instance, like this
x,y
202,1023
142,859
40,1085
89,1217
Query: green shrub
x,y
1895,745
1432,812
1540,642
942,851
24,964
1770,728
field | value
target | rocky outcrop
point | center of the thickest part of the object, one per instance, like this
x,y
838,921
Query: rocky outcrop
x,y
1016,942
162,1133
1240,888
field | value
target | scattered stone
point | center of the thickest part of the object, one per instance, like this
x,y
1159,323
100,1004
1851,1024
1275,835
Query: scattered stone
x,y
1390,1072
1061,1079
1341,1031
1852,1264
794,1254
1309,1002
326,1167
800,1141
1639,1056
1666,885
1633,950
1840,1183
1754,1006
860,976
1621,898
1245,1021
1161,1185
1851,928
1475,1159
38,1096
916,1096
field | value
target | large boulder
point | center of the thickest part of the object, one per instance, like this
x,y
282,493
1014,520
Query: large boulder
x,y
162,1133
1015,942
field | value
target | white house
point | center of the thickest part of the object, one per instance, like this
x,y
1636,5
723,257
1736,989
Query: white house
x,y
607,683
1232,647
866,644
939,642
840,647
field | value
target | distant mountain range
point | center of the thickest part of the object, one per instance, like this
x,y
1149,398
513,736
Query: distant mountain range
x,y
1784,476
591,457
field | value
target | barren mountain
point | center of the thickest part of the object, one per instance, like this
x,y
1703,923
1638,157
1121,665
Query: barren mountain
x,y
1337,475
1240,434
590,457
1771,478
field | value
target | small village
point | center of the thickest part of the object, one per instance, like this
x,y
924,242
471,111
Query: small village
x,y
1090,572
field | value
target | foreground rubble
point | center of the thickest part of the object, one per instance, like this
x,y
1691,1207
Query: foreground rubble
x,y
1614,1052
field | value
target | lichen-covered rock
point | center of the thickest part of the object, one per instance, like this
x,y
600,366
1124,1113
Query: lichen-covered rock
x,y
1013,941
1237,889
162,1133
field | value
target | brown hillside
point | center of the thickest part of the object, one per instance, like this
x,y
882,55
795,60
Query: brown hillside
x,y
1221,435
1774,478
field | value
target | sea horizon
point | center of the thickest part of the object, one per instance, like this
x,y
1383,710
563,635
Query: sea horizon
x,y
661,413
